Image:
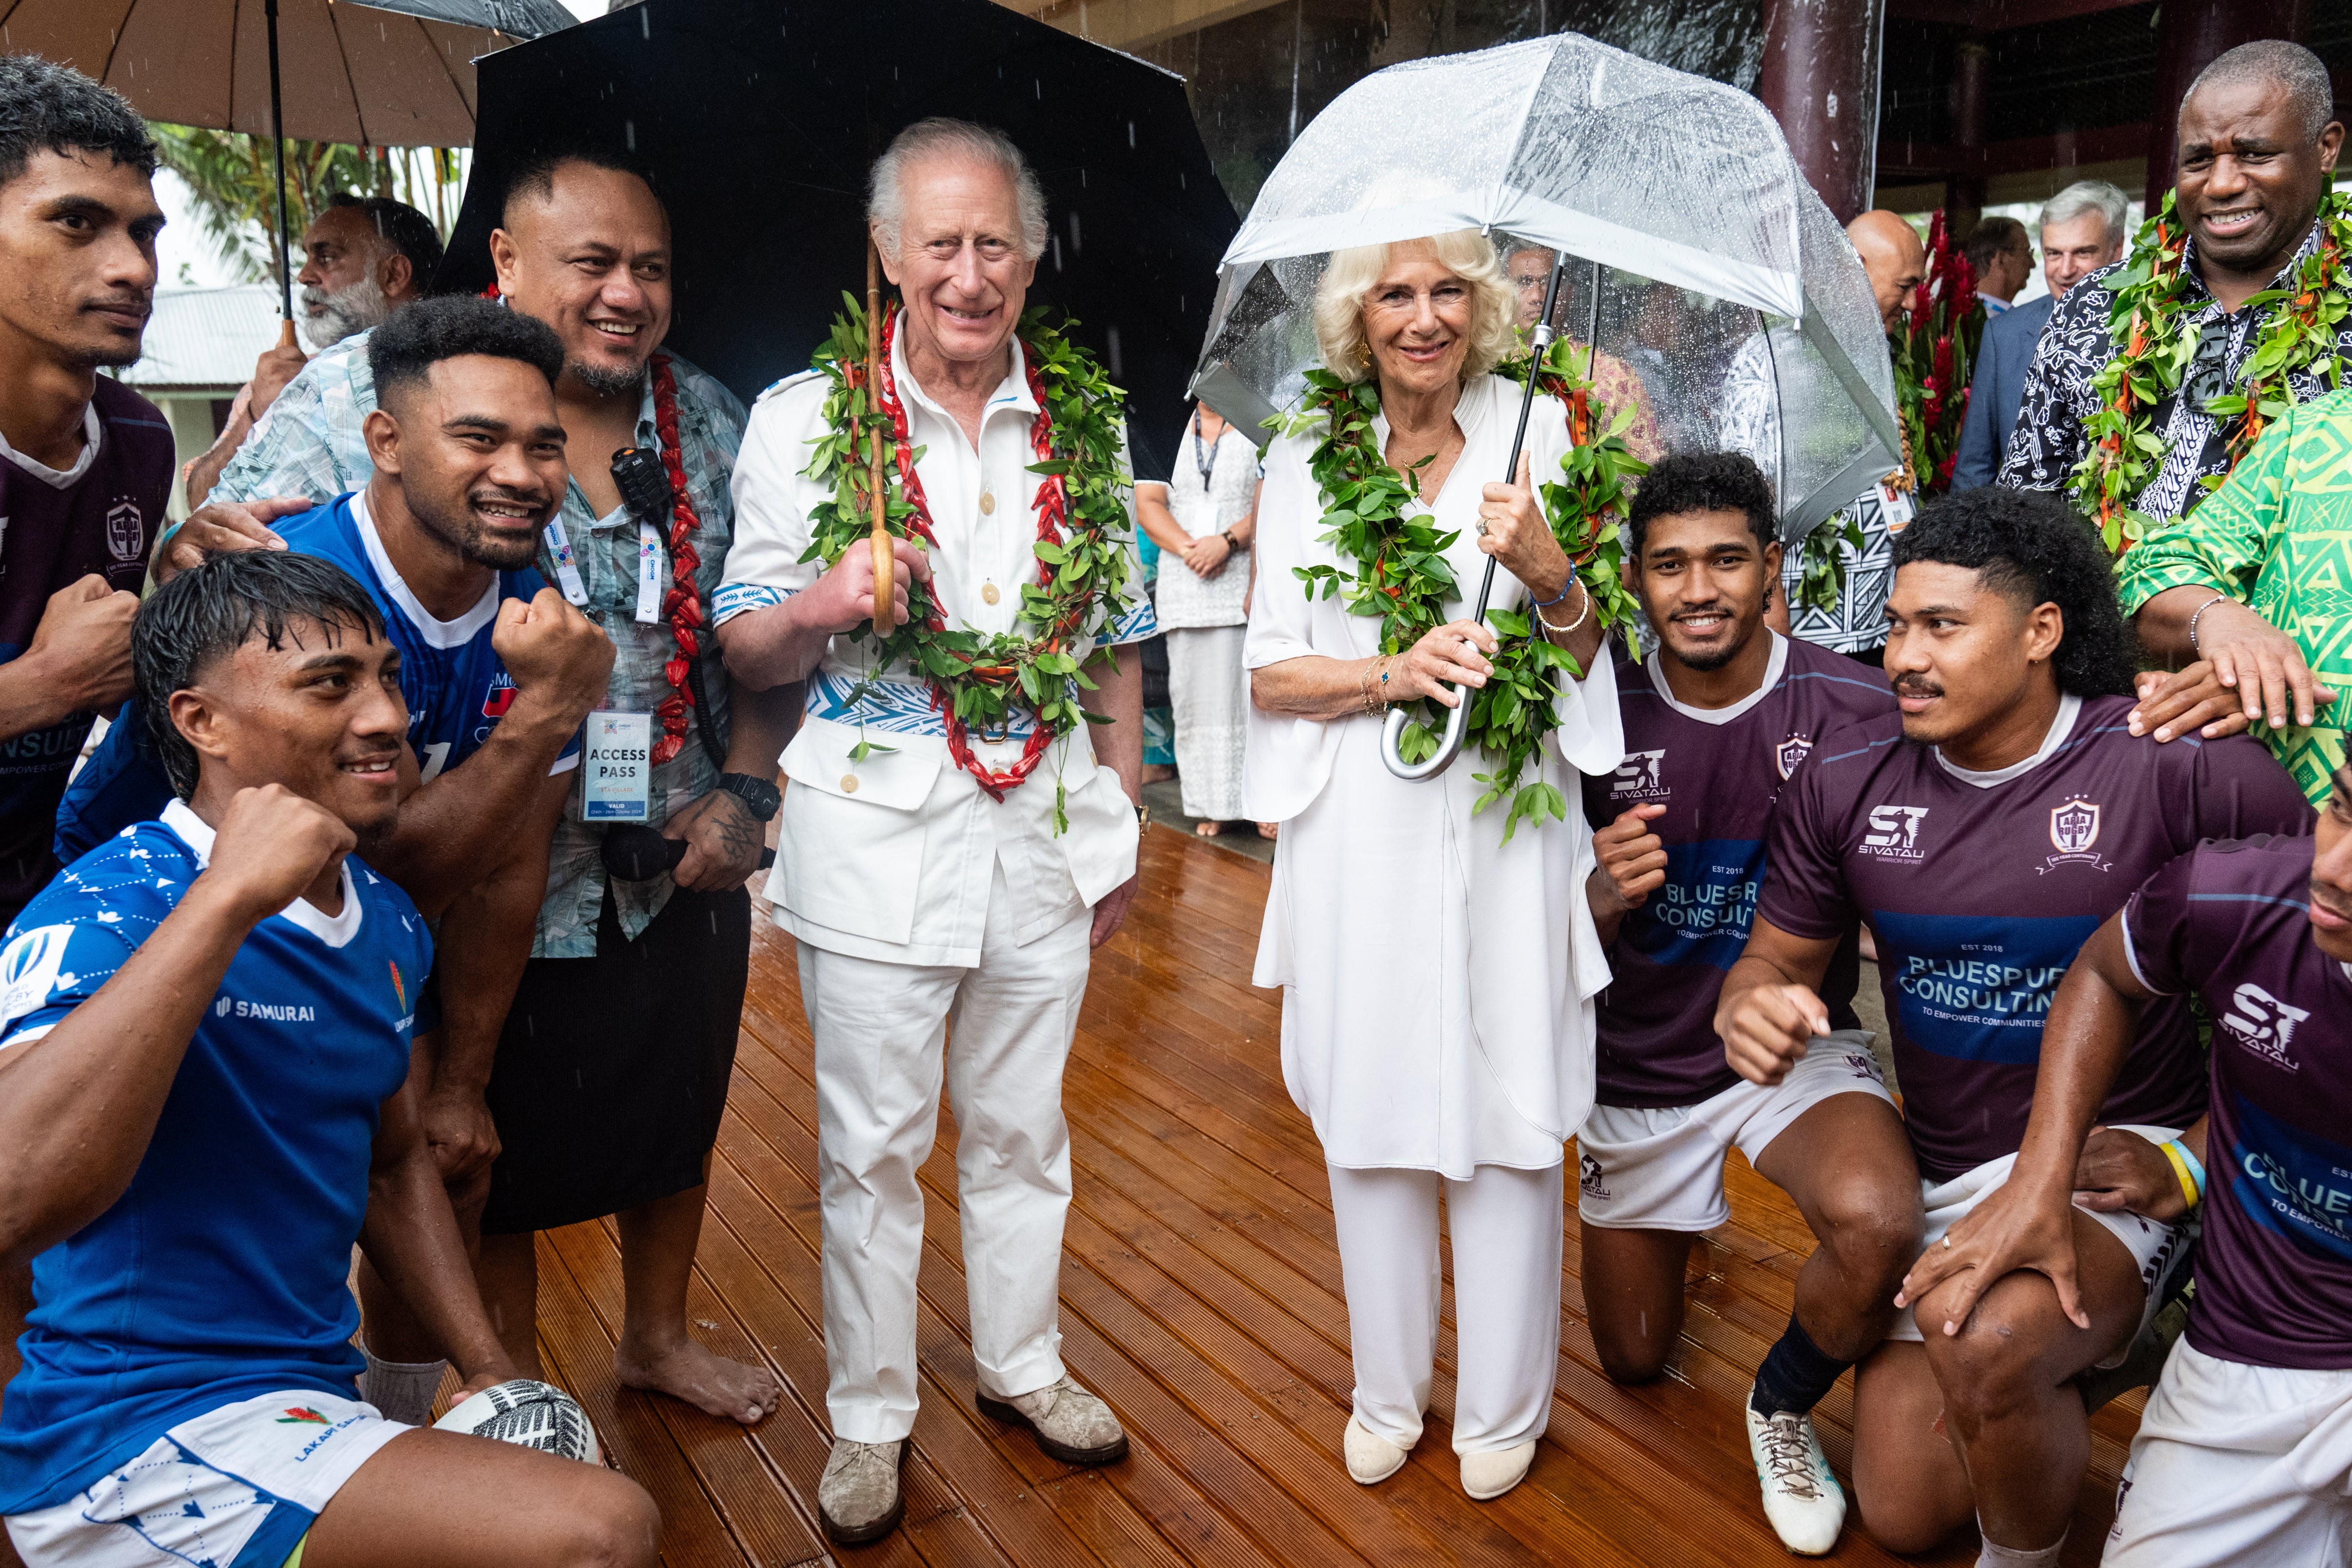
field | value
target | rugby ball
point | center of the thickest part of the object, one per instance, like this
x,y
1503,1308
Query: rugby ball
x,y
533,1415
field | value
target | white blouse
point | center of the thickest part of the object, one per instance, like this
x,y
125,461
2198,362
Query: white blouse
x,y
1202,503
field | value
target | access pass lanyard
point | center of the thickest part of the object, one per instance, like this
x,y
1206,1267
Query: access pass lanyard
x,y
567,565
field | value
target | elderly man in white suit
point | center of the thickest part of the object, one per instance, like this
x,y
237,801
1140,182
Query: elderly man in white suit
x,y
940,917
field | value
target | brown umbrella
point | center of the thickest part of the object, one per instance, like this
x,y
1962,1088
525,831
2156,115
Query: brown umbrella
x,y
386,73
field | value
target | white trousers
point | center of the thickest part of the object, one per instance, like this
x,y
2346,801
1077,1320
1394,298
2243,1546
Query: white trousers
x,y
1506,1226
1001,1030
2238,1464
1208,691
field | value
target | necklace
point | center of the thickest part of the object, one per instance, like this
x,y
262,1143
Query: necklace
x,y
1402,574
2148,318
978,680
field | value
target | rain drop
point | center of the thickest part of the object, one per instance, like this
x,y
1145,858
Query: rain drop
x,y
1111,344
645,23
629,129
1131,133
1077,244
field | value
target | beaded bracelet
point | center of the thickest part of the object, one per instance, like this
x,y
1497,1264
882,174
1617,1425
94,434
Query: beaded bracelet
x,y
1580,615
2196,616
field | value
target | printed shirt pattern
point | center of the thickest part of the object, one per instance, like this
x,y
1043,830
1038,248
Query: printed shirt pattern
x,y
2047,441
1979,897
222,1271
310,445
2277,537
1656,1043
2275,1273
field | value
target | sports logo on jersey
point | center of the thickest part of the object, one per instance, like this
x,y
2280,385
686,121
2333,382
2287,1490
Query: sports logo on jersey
x,y
2073,828
399,991
1894,833
1790,751
501,696
1638,775
125,532
2263,1023
302,1416
31,971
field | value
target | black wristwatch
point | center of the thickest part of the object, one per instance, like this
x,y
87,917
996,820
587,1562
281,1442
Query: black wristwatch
x,y
760,796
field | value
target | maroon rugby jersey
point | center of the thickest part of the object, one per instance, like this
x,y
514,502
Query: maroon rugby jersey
x,y
1717,774
55,529
2274,1269
1979,897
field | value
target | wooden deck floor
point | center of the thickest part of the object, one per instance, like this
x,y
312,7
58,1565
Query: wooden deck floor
x,y
1201,1296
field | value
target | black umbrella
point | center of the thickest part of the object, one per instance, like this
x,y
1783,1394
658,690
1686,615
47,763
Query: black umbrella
x,y
758,121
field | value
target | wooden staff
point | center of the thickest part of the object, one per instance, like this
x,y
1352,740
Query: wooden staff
x,y
877,492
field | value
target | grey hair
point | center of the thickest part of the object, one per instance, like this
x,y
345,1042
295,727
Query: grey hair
x,y
2282,64
2087,197
939,137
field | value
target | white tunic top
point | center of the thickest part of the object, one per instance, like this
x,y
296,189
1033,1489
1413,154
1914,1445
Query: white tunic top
x,y
1438,983
891,857
1207,503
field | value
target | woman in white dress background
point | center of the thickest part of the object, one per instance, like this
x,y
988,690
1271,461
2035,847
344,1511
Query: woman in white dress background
x,y
1437,982
1204,520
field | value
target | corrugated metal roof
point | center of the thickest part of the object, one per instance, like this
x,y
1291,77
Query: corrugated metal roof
x,y
206,337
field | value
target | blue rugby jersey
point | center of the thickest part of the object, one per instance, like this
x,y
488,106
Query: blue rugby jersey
x,y
1718,773
221,1272
456,686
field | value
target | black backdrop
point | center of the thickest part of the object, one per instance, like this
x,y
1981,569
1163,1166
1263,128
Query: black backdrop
x,y
758,119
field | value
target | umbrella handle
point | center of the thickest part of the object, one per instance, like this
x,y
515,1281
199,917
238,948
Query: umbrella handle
x,y
1449,745
286,334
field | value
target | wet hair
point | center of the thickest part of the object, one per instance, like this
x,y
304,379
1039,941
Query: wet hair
x,y
417,337
1997,236
208,612
49,108
2034,548
403,229
940,137
1702,481
534,175
2280,64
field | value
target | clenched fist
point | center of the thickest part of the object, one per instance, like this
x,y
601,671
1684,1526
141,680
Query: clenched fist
x,y
82,646
271,845
559,659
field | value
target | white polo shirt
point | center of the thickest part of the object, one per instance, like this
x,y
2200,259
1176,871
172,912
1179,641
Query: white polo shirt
x,y
892,856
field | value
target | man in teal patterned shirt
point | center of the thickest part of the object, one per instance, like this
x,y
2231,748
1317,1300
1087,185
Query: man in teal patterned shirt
x,y
598,1092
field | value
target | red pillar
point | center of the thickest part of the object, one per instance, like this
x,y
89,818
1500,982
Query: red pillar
x,y
2193,35
1820,80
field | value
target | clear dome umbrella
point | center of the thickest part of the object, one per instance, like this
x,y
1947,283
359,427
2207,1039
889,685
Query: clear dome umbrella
x,y
1697,254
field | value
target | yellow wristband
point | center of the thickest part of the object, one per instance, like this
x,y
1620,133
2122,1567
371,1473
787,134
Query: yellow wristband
x,y
2173,1152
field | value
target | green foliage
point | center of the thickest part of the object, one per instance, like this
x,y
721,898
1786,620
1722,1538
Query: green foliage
x,y
231,178
1402,574
1825,580
2154,350
981,678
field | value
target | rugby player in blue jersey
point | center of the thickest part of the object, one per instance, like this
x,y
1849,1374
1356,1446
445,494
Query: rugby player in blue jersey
x,y
1983,835
1718,721
497,672
205,1090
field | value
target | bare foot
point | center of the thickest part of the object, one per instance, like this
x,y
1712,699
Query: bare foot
x,y
1268,829
1208,829
702,1379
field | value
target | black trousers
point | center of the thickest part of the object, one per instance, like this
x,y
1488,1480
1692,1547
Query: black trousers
x,y
612,1070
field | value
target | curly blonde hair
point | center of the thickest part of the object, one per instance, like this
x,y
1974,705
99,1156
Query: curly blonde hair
x,y
1466,252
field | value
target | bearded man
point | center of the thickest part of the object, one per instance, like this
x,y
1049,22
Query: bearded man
x,y
935,883
364,259
602,1092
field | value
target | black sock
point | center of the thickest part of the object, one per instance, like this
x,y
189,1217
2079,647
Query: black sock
x,y
1795,1375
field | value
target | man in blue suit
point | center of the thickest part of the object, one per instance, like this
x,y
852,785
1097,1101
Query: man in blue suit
x,y
2081,231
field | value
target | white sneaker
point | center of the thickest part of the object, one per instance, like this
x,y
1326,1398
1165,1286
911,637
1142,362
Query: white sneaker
x,y
1371,1458
1802,1498
1489,1474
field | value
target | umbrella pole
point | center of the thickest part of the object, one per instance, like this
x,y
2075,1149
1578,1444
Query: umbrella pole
x,y
278,155
877,493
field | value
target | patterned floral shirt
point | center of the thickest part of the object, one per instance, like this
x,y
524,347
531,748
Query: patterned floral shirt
x,y
2277,537
310,443
2048,439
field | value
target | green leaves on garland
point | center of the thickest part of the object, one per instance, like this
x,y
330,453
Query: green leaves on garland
x,y
983,677
1402,574
2152,295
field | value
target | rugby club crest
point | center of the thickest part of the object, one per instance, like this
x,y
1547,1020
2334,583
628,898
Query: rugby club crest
x,y
125,532
2074,830
1789,753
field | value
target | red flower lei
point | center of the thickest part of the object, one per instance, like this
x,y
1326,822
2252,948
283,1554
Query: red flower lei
x,y
1050,506
682,606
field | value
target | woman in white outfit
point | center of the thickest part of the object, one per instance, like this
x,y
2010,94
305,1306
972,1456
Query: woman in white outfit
x,y
1204,519
1437,1020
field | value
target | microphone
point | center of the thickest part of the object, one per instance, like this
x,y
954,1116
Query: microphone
x,y
635,852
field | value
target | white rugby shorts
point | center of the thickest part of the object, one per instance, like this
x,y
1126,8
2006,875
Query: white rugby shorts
x,y
2237,1464
1662,1169
237,1487
2155,1246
